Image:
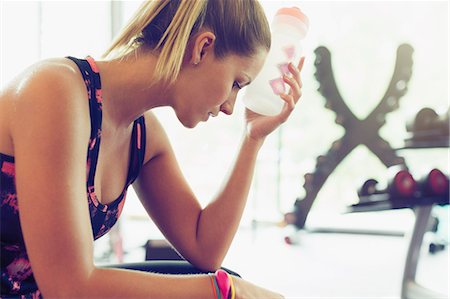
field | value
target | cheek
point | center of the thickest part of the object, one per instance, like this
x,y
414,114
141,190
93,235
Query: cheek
x,y
208,89
213,95
217,85
222,92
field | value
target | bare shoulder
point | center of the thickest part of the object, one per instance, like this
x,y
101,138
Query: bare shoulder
x,y
157,141
58,76
53,90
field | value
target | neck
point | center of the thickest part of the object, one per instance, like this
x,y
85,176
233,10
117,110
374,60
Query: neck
x,y
127,88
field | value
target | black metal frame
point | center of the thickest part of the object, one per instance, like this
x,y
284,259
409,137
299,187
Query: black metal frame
x,y
357,131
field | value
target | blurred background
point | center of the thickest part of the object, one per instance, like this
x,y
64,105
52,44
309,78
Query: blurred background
x,y
363,37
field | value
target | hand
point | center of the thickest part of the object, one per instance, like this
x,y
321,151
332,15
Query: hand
x,y
259,126
247,290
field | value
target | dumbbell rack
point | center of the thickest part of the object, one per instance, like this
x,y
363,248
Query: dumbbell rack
x,y
410,288
421,140
422,209
366,132
356,131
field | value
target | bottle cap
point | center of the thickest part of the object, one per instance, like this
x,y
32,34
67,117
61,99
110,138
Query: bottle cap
x,y
293,17
294,12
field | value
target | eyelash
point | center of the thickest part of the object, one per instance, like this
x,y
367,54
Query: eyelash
x,y
236,84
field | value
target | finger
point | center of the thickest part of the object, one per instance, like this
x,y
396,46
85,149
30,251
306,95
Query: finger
x,y
289,102
295,91
295,72
301,63
288,107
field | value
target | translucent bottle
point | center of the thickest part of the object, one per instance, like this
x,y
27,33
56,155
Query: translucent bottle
x,y
289,27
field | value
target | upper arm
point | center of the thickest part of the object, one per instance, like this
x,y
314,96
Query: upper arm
x,y
50,134
166,195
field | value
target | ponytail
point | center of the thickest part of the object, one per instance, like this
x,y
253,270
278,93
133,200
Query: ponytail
x,y
165,27
126,40
174,40
171,39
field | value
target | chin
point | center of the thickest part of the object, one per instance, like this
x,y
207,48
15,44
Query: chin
x,y
191,126
188,122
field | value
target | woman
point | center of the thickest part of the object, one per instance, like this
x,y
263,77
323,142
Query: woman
x,y
193,56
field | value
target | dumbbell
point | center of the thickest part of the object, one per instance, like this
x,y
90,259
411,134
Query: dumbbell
x,y
401,186
423,120
435,185
427,120
435,247
367,189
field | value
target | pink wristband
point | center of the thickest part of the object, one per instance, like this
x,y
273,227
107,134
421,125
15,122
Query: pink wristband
x,y
224,283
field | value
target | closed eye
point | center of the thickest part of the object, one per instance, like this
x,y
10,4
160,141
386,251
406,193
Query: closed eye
x,y
236,85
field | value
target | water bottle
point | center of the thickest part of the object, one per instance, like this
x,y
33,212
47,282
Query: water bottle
x,y
289,27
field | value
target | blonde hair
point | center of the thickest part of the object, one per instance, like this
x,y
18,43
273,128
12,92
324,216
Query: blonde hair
x,y
165,27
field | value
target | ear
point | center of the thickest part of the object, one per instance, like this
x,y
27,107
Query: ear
x,y
203,44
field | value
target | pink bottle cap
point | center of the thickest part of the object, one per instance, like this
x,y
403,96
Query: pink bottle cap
x,y
294,17
294,12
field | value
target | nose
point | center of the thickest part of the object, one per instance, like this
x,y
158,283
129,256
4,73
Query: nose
x,y
228,106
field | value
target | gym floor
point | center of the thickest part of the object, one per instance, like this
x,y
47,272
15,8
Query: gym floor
x,y
325,265
333,265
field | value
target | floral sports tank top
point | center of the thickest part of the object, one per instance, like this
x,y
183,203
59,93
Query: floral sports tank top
x,y
17,280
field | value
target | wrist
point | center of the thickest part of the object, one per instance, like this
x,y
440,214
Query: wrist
x,y
254,142
225,284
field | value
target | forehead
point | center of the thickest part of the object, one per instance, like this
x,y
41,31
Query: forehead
x,y
250,65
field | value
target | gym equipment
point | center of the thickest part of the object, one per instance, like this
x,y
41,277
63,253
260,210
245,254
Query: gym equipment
x,y
356,131
436,183
161,250
435,247
403,191
165,267
401,186
438,244
428,129
433,191
369,187
410,288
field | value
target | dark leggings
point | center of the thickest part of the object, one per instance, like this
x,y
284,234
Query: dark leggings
x,y
165,267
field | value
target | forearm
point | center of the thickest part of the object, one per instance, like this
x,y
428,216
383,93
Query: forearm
x,y
219,221
120,283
